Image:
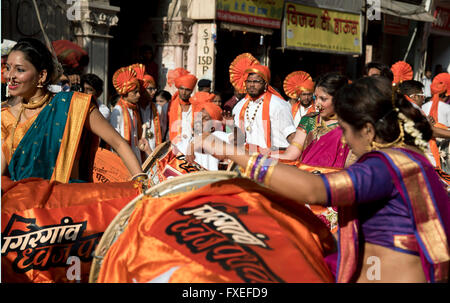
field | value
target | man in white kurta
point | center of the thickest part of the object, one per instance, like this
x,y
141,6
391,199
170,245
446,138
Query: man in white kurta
x,y
248,113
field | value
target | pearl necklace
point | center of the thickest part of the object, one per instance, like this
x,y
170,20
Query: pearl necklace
x,y
251,121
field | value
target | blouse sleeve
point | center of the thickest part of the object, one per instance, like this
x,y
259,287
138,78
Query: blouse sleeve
x,y
363,182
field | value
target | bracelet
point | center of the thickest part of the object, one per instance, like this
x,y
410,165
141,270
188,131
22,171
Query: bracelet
x,y
298,145
254,169
258,168
265,167
269,173
139,177
250,163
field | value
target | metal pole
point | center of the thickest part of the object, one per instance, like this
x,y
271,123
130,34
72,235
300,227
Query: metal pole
x,y
410,43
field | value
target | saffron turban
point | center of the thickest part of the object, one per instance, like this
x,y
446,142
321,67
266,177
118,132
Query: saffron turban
x,y
441,84
262,70
237,69
125,80
297,82
181,77
211,108
402,72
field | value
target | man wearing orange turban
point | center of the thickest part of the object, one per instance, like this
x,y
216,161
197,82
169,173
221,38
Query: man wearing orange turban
x,y
263,114
208,119
203,94
180,108
151,126
438,110
125,117
299,87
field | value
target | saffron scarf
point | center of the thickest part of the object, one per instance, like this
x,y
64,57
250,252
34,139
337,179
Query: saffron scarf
x,y
265,116
175,118
157,124
127,121
296,107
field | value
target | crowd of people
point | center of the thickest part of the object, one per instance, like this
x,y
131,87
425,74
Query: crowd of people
x,y
388,195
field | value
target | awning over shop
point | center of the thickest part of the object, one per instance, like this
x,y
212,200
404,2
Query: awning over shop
x,y
406,10
246,28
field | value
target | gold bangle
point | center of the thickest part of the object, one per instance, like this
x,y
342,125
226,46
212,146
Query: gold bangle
x,y
298,145
258,168
139,177
269,173
250,164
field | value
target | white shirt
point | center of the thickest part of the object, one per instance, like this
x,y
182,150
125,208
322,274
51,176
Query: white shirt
x,y
281,122
104,110
117,122
443,112
300,113
204,160
427,85
186,124
147,120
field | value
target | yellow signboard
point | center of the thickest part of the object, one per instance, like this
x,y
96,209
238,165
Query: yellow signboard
x,y
263,13
323,30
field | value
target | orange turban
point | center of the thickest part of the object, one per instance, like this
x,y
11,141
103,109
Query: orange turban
x,y
441,84
181,77
402,72
124,80
262,70
148,80
213,110
297,82
201,97
237,70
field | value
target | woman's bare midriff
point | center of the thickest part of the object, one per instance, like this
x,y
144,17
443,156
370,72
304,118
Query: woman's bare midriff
x,y
385,265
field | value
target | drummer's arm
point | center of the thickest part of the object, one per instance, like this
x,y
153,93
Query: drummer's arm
x,y
285,179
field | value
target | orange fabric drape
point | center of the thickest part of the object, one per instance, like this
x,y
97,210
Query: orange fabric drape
x,y
55,221
175,117
127,120
181,235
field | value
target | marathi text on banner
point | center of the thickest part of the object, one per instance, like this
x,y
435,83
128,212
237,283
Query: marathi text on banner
x,y
321,29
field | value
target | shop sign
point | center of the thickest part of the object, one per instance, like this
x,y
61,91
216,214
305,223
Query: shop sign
x,y
261,13
205,50
323,30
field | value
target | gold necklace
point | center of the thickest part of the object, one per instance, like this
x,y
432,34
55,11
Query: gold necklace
x,y
251,121
32,105
37,104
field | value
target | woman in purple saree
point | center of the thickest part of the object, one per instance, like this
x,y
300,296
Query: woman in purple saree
x,y
394,213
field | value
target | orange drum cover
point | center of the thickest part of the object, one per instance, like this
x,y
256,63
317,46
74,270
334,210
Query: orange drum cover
x,y
108,167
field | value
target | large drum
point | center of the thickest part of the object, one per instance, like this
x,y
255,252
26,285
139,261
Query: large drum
x,y
213,227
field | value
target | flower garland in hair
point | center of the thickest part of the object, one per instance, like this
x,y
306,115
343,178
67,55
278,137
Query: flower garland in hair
x,y
410,128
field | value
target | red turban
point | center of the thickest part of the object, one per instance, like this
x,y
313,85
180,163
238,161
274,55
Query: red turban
x,y
297,82
148,80
70,54
124,80
402,72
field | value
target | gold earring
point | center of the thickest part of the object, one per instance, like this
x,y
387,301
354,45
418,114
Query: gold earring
x,y
39,85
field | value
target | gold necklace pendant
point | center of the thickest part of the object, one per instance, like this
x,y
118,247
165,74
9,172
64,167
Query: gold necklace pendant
x,y
37,104
249,128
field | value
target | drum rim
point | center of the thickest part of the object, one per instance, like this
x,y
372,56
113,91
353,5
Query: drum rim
x,y
120,221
